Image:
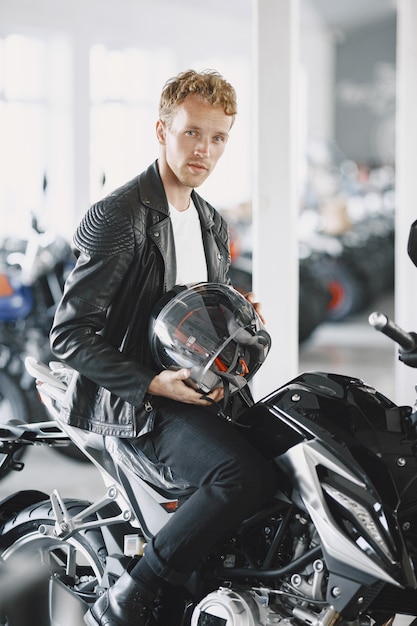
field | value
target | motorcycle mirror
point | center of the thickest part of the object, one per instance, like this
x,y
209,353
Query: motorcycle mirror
x,y
412,243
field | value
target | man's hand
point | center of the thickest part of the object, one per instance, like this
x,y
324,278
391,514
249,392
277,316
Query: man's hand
x,y
250,297
171,384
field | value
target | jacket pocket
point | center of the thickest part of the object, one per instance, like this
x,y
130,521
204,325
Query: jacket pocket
x,y
112,410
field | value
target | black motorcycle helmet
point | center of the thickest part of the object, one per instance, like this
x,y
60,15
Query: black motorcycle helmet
x,y
212,330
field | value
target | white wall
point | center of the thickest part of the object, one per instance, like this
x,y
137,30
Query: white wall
x,y
317,56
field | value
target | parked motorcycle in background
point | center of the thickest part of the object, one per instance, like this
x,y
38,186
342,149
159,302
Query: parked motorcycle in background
x,y
346,233
32,275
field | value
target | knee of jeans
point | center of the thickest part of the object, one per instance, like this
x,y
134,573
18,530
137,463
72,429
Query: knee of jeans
x,y
261,480
272,480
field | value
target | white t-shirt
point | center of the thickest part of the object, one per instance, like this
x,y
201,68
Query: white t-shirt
x,y
189,248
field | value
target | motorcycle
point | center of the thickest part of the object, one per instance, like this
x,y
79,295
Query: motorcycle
x,y
336,544
32,275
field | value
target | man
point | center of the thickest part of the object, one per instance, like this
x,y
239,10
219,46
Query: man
x,y
133,246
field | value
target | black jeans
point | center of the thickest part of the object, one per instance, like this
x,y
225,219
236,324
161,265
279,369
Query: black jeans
x,y
231,477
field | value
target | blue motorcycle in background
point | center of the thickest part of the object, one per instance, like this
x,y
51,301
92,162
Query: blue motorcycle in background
x,y
32,275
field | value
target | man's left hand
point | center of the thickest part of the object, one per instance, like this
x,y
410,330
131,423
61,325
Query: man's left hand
x,y
250,297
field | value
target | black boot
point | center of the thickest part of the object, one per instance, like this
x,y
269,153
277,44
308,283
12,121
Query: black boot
x,y
126,603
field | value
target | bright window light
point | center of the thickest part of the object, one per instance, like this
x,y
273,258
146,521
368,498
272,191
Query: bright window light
x,y
34,126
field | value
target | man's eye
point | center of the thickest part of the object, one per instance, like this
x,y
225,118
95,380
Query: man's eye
x,y
219,139
191,133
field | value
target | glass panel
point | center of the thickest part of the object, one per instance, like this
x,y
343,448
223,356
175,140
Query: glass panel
x,y
25,63
122,144
22,163
124,110
2,70
35,146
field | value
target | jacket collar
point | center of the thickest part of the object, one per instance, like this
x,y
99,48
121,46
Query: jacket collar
x,y
206,217
152,193
151,189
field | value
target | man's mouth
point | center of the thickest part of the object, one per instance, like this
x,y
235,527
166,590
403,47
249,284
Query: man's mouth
x,y
198,167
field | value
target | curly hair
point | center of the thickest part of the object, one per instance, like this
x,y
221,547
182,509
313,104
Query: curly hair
x,y
208,85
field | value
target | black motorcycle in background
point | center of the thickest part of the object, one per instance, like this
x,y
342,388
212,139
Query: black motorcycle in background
x,y
32,275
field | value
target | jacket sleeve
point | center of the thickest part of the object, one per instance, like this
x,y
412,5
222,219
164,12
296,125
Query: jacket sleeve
x,y
106,244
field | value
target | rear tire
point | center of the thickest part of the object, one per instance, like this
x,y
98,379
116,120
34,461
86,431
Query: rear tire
x,y
28,559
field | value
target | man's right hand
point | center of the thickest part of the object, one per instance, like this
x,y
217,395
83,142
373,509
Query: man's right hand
x,y
171,384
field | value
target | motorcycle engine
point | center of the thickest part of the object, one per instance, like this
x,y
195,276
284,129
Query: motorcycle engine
x,y
226,607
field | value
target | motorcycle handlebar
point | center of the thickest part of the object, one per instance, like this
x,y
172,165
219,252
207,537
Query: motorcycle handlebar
x,y
408,341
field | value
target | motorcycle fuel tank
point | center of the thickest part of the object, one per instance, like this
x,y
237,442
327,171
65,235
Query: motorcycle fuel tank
x,y
336,408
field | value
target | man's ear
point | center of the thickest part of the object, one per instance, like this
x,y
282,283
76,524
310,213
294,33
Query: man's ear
x,y
160,131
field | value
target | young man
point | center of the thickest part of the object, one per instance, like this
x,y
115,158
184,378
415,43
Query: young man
x,y
133,246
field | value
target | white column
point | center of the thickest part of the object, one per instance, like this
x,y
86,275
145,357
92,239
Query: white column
x,y
81,124
406,209
275,197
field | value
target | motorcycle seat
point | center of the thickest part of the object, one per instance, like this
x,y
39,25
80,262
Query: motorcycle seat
x,y
157,475
107,452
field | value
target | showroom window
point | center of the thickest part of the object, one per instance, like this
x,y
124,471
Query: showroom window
x,y
124,87
78,121
34,129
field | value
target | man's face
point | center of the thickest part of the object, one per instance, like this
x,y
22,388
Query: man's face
x,y
193,141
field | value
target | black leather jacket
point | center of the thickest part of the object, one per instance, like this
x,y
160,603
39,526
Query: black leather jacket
x,y
126,262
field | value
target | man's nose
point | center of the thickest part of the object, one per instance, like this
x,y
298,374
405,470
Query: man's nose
x,y
202,148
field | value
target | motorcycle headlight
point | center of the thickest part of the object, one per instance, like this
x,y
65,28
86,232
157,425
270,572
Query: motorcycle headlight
x,y
361,525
